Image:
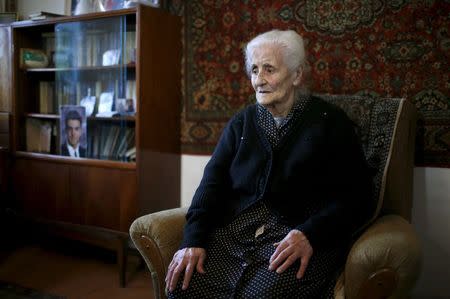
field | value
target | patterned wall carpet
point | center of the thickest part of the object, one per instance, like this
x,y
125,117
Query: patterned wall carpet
x,y
395,48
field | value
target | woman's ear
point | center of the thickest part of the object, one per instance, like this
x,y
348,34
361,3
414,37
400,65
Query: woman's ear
x,y
298,76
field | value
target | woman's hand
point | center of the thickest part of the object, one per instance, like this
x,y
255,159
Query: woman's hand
x,y
294,246
185,260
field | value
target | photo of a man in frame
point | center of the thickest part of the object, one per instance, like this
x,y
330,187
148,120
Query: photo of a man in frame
x,y
73,131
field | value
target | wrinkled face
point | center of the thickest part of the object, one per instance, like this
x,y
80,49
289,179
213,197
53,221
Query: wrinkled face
x,y
73,129
273,82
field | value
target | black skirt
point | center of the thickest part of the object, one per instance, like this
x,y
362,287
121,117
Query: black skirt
x,y
237,263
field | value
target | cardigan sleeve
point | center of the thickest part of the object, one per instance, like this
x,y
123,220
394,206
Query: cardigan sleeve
x,y
349,188
214,189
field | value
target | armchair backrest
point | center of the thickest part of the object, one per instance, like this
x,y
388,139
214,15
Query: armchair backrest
x,y
386,127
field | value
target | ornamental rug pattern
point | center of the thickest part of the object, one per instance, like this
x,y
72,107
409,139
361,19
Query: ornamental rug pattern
x,y
375,120
378,48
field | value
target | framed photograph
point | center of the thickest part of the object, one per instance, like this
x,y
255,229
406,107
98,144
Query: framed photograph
x,y
8,17
126,106
105,104
73,131
111,57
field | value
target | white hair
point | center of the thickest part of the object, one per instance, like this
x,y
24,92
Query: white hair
x,y
289,41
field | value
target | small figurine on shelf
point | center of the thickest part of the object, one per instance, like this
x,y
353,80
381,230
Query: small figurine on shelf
x,y
73,131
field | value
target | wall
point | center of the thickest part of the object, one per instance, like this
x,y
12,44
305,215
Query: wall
x,y
25,7
430,217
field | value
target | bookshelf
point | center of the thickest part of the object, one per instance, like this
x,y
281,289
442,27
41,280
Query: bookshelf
x,y
96,112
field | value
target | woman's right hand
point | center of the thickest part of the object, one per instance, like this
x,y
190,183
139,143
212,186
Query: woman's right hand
x,y
185,260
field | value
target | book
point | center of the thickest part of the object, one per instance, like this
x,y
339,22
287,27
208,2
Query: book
x,y
46,97
131,155
42,15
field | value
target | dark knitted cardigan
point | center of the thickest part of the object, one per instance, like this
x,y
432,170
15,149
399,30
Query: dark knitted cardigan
x,y
315,180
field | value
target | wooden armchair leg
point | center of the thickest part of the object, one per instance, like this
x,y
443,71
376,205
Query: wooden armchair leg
x,y
122,257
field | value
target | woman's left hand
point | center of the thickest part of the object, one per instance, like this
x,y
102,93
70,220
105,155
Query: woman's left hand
x,y
294,246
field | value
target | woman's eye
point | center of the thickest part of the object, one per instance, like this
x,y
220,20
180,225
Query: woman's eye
x,y
254,70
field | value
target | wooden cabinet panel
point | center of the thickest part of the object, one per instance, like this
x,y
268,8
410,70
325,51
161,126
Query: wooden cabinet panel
x,y
40,187
76,194
5,67
108,196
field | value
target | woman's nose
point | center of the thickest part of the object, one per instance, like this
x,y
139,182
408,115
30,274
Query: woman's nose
x,y
260,79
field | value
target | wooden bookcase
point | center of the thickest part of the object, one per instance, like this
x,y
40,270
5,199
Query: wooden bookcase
x,y
95,198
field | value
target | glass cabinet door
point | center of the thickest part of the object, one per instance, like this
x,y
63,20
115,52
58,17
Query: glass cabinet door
x,y
94,88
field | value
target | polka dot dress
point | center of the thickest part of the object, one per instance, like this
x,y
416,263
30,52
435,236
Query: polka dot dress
x,y
238,254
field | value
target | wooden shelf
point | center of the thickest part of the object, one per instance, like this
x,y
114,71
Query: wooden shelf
x,y
42,115
77,161
126,118
81,68
79,18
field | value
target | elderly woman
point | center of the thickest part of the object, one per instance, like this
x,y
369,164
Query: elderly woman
x,y
284,191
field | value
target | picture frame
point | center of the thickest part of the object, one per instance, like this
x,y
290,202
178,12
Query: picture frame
x,y
8,17
73,112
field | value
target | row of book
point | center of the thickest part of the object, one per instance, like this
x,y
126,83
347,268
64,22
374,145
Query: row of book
x,y
52,95
75,47
105,142
43,15
111,142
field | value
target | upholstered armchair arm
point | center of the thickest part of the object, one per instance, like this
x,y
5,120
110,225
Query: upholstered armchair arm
x,y
157,237
384,262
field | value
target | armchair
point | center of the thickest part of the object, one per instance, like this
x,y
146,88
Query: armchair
x,y
385,260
